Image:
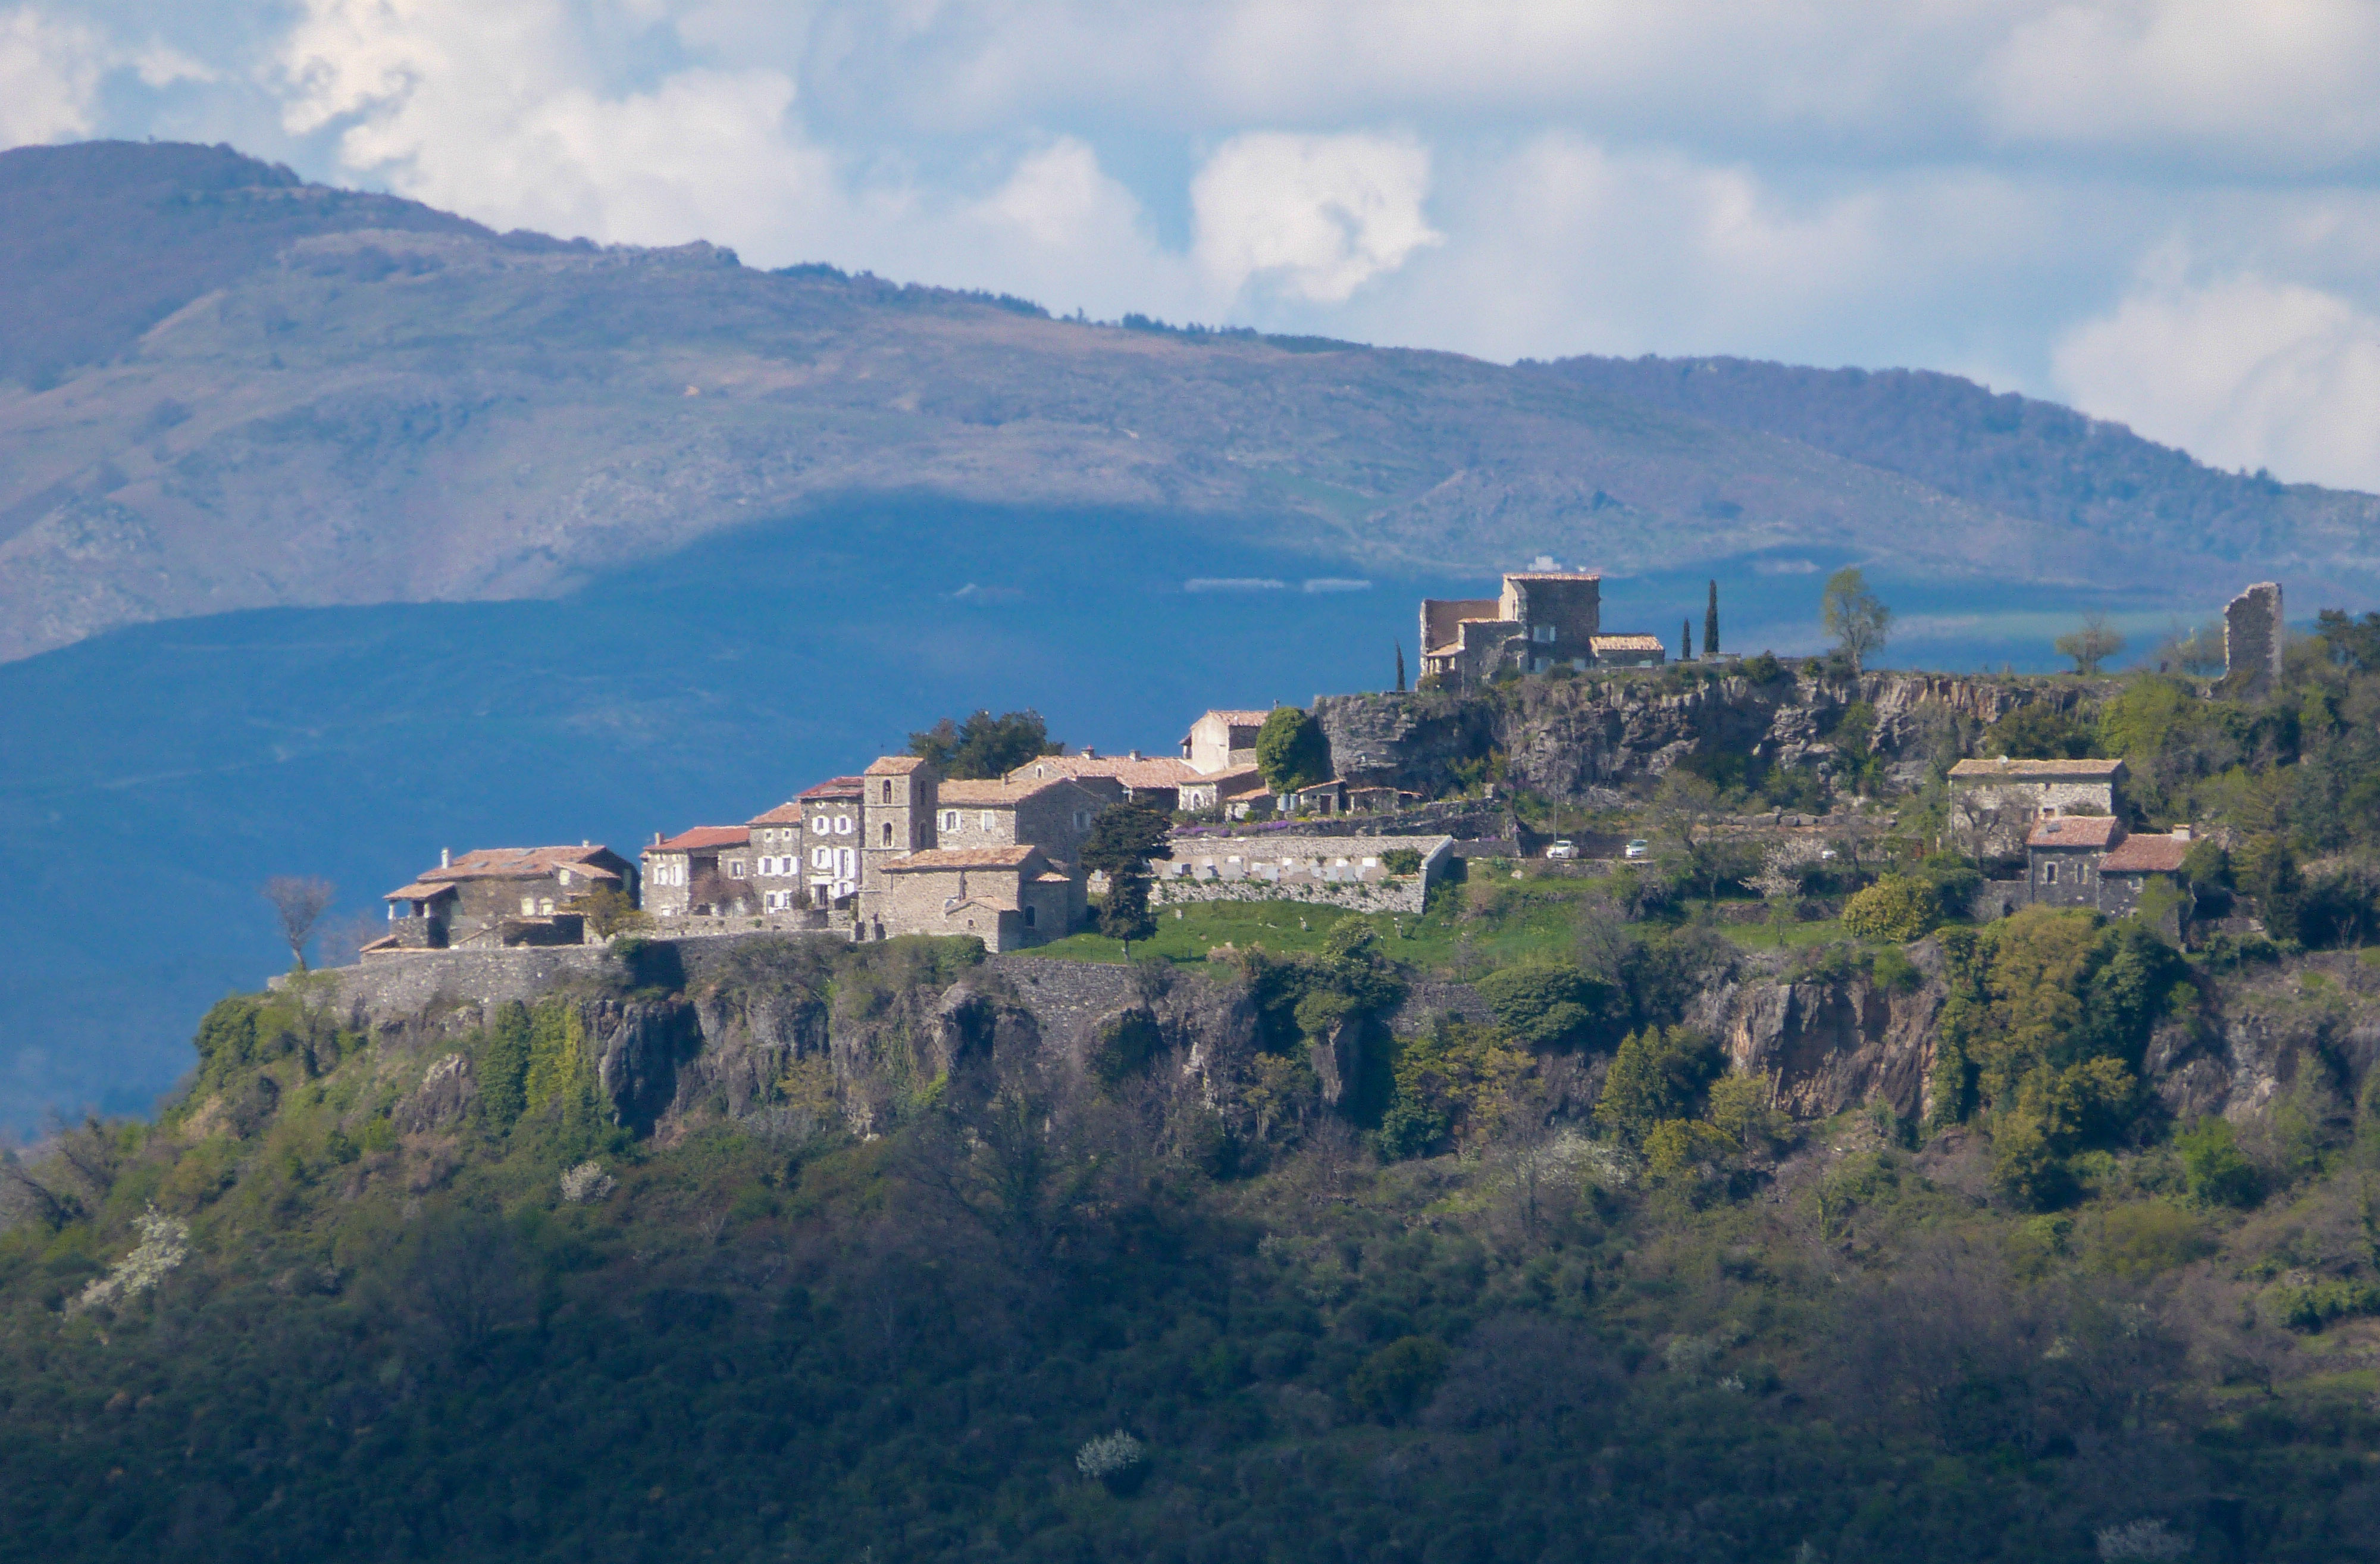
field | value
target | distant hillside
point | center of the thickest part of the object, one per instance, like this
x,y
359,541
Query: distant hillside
x,y
2010,454
236,390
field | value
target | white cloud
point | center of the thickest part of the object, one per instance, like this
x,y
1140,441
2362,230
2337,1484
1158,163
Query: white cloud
x,y
50,73
1314,217
2240,373
499,112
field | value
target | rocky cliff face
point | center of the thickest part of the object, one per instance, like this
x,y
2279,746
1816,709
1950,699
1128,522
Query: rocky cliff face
x,y
1570,738
1828,1043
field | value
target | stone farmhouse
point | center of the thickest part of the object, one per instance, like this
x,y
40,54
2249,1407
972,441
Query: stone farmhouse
x,y
808,848
1224,740
1543,618
499,897
708,869
2090,861
1994,803
1007,897
1157,780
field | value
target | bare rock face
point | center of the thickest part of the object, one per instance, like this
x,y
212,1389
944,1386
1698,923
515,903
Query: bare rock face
x,y
2324,1016
639,1045
1831,1044
445,1096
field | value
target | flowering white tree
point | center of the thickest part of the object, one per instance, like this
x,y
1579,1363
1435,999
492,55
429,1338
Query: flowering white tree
x,y
165,1243
1782,869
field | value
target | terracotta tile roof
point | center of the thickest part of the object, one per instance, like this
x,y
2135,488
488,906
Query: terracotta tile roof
x,y
835,788
784,814
962,857
521,863
2076,831
2033,770
893,765
1627,643
1242,786
703,836
1239,719
1165,772
2146,855
1051,878
419,891
973,793
1553,575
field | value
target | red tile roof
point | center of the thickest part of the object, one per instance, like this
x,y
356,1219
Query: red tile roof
x,y
2033,770
893,765
704,836
2076,831
836,788
2146,855
1238,719
963,858
513,863
1165,772
1627,643
419,891
784,814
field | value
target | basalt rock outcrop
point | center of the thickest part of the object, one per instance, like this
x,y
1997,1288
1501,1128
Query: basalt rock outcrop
x,y
1828,1043
1571,738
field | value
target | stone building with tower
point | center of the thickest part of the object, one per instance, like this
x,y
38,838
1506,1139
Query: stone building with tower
x,y
2252,641
1542,620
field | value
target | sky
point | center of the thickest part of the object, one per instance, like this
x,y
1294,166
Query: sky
x,y
2165,213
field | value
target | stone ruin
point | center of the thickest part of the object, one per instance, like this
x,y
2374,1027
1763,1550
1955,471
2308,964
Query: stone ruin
x,y
2251,639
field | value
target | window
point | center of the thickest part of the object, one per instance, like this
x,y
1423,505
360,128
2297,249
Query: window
x,y
842,825
1028,917
822,858
820,825
528,906
888,789
950,820
735,868
1541,632
887,833
2049,873
987,820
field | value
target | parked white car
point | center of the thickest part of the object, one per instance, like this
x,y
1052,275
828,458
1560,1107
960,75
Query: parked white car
x,y
1563,849
1640,847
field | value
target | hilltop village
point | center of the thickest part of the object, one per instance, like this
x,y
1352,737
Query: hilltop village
x,y
902,849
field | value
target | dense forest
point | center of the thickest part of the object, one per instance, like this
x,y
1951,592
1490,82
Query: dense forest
x,y
1543,1277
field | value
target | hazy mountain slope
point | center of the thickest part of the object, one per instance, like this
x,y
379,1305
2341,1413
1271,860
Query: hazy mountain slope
x,y
2014,455
420,409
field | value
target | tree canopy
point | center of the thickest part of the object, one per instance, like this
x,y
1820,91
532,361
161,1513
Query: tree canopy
x,y
984,746
1855,617
1291,750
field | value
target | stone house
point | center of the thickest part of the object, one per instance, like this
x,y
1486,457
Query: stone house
x,y
1541,618
1053,814
1156,780
1008,896
1222,740
2062,855
896,799
1208,792
1994,803
707,870
833,818
2091,861
501,895
1321,798
1628,651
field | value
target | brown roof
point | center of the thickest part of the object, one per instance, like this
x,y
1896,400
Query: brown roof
x,y
836,788
893,765
417,891
2076,831
2146,855
1236,786
1627,643
1163,772
1006,794
784,814
521,863
703,836
1238,719
1553,575
2033,770
962,857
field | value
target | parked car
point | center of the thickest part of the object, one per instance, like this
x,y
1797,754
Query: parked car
x,y
1640,847
1563,849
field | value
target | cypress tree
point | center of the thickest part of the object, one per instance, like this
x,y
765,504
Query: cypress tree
x,y
1685,640
1401,667
1710,622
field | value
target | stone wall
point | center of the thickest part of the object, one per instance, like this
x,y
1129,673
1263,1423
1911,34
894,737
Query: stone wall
x,y
1281,868
2252,641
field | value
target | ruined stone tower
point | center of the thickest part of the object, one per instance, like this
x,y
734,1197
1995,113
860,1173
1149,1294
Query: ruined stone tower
x,y
2251,640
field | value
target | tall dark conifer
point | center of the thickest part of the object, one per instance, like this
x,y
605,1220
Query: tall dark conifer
x,y
1401,667
1685,640
1710,622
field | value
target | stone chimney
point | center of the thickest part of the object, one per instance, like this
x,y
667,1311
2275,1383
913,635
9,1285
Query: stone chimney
x,y
1089,753
443,857
2182,833
1131,754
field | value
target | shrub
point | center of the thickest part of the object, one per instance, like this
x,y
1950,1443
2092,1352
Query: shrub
x,y
1896,907
586,1183
1687,1148
1741,1108
1116,1459
2218,1172
1894,972
1402,861
1290,750
1546,1004
1654,1077
1398,1380
2313,1307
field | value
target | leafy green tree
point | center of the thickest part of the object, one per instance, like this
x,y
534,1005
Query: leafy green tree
x,y
1656,1076
1896,907
2218,1171
1398,1380
1547,1004
2037,730
1291,750
503,1066
1683,811
984,746
1854,616
1121,841
2090,646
